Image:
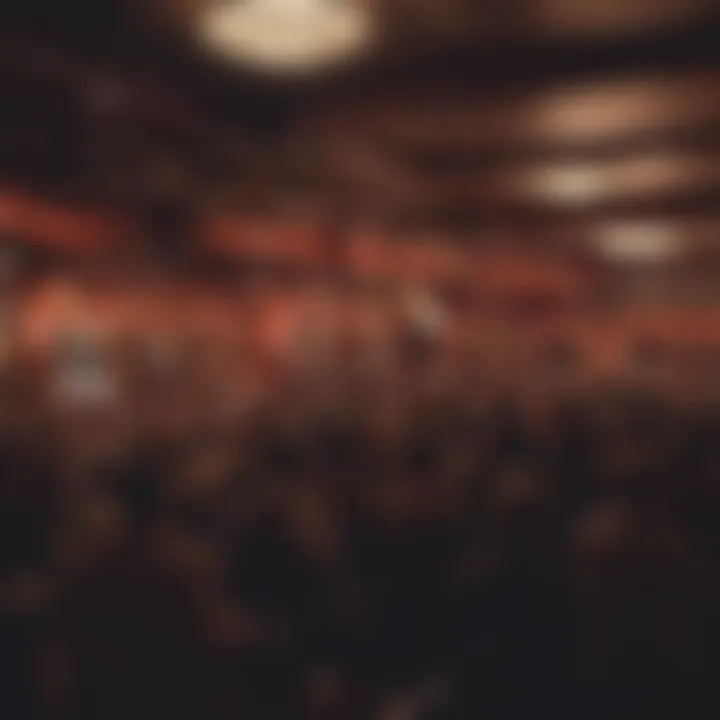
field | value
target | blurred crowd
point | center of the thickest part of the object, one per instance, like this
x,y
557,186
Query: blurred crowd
x,y
425,541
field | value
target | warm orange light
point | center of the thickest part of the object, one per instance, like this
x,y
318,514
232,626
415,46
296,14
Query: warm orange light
x,y
285,35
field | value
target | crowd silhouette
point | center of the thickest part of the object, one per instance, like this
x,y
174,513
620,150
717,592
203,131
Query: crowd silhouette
x,y
428,545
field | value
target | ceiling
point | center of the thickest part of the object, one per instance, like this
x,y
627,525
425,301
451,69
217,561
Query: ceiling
x,y
406,25
540,117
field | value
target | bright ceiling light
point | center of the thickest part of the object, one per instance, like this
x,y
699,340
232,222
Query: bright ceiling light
x,y
287,36
639,242
572,185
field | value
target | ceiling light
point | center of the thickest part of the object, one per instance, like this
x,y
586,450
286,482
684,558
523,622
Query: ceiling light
x,y
639,242
286,36
570,184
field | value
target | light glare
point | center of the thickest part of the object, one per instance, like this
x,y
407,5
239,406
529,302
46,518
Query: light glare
x,y
286,35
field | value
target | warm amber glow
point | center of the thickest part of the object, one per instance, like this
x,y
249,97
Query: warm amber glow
x,y
611,16
639,242
580,183
570,184
285,35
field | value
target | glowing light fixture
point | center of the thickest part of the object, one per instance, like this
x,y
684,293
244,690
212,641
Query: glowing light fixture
x,y
287,36
571,185
639,242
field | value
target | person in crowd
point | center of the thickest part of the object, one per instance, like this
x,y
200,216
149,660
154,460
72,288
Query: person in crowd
x,y
421,549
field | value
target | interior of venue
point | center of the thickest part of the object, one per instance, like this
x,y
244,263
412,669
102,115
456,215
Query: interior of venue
x,y
359,359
